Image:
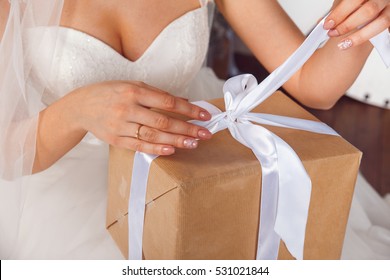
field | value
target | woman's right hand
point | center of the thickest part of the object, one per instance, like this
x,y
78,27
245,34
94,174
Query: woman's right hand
x,y
120,113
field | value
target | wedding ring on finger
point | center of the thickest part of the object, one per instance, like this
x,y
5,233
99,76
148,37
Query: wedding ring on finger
x,y
137,133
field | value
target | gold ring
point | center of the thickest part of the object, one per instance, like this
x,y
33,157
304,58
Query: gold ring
x,y
137,132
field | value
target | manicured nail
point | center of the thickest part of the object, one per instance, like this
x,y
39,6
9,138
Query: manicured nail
x,y
168,150
333,33
190,143
346,44
204,115
329,24
204,134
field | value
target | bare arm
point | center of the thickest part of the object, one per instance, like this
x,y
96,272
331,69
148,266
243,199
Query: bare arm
x,y
272,37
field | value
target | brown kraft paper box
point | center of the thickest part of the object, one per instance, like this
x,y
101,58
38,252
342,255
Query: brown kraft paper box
x,y
204,203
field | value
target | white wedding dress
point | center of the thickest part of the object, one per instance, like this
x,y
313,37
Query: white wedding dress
x,y
65,206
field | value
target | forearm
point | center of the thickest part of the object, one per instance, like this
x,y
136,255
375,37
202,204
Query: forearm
x,y
272,37
328,74
58,132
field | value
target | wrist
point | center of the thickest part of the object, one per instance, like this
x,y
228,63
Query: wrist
x,y
58,132
72,111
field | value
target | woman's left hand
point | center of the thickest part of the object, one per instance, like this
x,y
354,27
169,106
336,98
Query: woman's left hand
x,y
361,19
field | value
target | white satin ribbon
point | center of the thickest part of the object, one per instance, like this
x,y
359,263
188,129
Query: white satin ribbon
x,y
381,43
286,187
137,199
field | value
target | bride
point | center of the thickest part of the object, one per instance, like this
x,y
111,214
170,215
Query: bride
x,y
73,81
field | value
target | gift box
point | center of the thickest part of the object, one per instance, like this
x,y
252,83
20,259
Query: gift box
x,y
204,203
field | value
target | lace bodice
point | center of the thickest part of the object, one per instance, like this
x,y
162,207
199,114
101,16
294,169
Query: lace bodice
x,y
169,63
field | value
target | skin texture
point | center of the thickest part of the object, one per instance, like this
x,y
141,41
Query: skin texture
x,y
115,111
347,15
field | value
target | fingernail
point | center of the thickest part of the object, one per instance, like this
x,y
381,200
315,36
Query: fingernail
x,y
205,134
329,24
190,143
168,150
346,44
333,33
204,115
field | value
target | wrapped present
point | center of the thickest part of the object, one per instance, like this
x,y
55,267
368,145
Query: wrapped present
x,y
286,196
205,203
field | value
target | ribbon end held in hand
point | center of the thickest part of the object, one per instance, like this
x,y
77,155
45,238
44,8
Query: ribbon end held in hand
x,y
381,43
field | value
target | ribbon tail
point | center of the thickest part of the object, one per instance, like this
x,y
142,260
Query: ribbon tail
x,y
381,43
137,201
294,182
294,199
286,190
261,142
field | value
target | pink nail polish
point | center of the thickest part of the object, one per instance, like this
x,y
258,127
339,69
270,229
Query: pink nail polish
x,y
333,33
190,143
329,24
204,115
346,44
168,150
204,134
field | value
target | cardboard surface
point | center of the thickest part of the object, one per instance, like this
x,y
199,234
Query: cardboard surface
x,y
204,203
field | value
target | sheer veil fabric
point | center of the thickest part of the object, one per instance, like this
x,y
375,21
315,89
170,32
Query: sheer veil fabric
x,y
19,106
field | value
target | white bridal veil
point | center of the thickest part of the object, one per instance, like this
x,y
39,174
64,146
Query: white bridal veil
x,y
20,104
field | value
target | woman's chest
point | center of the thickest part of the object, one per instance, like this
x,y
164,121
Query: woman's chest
x,y
68,58
130,26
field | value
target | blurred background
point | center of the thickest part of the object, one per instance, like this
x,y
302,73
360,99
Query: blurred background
x,y
362,116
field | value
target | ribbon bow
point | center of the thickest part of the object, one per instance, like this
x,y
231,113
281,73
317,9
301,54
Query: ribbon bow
x,y
286,187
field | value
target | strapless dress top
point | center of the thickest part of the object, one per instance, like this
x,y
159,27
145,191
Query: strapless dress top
x,y
66,59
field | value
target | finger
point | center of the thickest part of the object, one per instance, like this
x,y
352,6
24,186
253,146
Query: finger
x,y
148,86
152,135
369,11
159,90
185,99
165,101
341,12
165,123
125,129
142,146
367,32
